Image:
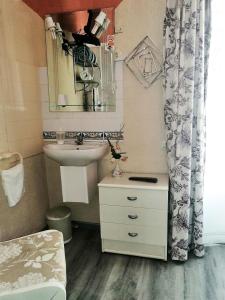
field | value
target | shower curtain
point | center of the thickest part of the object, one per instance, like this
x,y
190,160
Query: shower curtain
x,y
187,35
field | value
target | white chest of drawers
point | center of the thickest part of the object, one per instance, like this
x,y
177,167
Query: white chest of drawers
x,y
133,215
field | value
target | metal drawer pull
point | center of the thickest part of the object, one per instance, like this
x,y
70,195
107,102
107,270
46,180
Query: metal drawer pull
x,y
132,217
131,198
132,234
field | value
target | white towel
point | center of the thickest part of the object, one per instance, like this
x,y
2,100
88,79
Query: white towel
x,y
13,182
79,184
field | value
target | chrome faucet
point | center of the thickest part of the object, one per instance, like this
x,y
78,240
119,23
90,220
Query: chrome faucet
x,y
79,139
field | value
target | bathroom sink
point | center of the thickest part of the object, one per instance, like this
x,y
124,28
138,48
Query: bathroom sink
x,y
76,155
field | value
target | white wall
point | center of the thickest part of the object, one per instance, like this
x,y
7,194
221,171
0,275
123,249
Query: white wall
x,y
214,197
143,108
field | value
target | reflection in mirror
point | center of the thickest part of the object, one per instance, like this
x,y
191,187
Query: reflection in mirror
x,y
80,66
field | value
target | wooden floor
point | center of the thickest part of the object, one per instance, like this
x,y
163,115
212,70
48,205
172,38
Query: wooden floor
x,y
94,275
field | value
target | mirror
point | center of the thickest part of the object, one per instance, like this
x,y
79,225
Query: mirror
x,y
80,63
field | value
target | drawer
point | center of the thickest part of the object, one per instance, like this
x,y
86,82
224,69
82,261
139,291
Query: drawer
x,y
133,216
132,233
156,199
137,249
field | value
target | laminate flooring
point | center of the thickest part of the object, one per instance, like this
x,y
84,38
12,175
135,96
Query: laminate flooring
x,y
92,275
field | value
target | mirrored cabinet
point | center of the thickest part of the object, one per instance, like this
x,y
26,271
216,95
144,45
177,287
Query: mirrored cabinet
x,y
80,65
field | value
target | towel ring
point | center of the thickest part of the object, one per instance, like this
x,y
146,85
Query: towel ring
x,y
9,155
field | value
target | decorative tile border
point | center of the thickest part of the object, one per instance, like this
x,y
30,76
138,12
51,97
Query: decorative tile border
x,y
89,135
49,135
113,135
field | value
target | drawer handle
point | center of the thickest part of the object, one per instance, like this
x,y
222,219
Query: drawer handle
x,y
132,234
132,217
131,198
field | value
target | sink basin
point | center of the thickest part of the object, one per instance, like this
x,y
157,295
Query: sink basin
x,y
76,155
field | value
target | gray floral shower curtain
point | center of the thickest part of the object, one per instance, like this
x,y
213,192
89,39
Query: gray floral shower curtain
x,y
187,35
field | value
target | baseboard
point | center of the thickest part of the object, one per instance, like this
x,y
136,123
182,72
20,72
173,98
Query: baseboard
x,y
214,238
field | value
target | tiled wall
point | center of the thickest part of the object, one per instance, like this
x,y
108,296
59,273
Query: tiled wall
x,y
28,215
22,53
82,121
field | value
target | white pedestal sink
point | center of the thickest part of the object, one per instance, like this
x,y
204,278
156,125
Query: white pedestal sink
x,y
78,168
76,155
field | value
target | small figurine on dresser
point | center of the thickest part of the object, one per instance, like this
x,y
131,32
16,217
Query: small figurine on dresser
x,y
117,156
